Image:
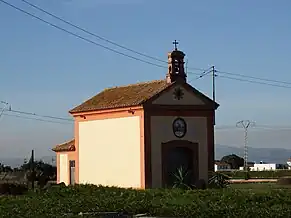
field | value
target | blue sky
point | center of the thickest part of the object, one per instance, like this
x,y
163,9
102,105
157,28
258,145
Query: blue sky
x,y
46,71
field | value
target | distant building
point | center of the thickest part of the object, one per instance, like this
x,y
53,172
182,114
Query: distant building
x,y
221,166
289,163
263,166
249,165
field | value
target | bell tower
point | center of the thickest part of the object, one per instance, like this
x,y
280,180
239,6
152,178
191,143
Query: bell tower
x,y
176,71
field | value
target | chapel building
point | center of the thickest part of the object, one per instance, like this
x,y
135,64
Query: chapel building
x,y
140,135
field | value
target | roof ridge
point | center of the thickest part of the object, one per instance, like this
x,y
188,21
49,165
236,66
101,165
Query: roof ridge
x,y
135,84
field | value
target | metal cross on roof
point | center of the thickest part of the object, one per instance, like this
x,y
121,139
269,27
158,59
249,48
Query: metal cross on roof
x,y
175,43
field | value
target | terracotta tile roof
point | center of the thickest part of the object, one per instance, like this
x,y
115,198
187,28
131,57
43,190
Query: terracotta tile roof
x,y
218,163
122,96
67,146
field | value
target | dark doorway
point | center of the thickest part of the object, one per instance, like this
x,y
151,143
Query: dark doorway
x,y
72,172
180,163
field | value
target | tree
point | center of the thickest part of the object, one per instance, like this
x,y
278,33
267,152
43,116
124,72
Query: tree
x,y
233,160
5,169
41,167
38,171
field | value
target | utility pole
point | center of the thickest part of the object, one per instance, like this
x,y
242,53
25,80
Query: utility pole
x,y
3,109
213,71
32,169
245,124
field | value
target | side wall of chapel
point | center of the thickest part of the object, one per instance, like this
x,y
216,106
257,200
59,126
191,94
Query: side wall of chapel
x,y
109,148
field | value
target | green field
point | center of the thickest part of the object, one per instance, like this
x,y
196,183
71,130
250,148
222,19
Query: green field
x,y
239,200
268,174
266,186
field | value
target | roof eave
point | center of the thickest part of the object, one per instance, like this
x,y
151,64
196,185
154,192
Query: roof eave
x,y
63,150
109,109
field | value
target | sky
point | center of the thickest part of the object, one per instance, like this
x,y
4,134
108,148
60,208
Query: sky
x,y
47,71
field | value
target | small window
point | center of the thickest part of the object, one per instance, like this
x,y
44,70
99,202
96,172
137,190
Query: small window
x,y
72,163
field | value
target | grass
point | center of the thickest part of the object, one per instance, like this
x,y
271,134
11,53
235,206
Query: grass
x,y
268,174
259,186
240,200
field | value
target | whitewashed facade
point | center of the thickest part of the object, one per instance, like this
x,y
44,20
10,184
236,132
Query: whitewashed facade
x,y
263,167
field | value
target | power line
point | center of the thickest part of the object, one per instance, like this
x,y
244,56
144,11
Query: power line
x,y
36,115
256,82
256,126
37,119
271,127
44,116
136,52
217,74
90,33
204,73
130,56
253,77
222,127
80,37
100,37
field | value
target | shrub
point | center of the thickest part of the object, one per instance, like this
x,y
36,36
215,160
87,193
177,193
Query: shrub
x,y
72,200
12,189
180,179
247,175
218,180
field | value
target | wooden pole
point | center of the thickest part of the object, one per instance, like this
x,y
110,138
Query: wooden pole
x,y
32,170
213,92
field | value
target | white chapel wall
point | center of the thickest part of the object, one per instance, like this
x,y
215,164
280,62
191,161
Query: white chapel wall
x,y
161,131
64,169
109,152
188,98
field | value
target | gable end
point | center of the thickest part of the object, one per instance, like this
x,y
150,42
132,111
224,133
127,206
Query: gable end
x,y
190,97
